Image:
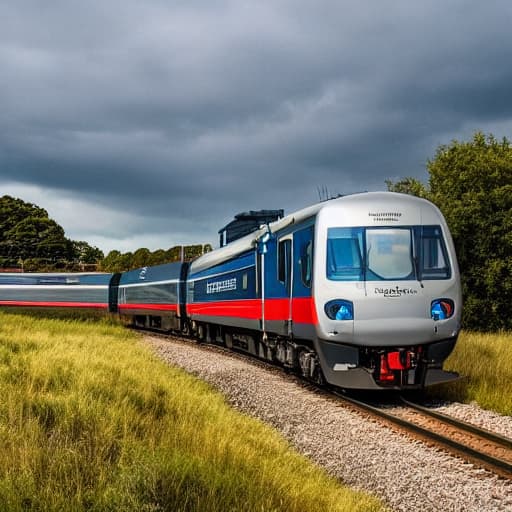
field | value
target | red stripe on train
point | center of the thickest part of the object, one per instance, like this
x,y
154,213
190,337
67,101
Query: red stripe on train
x,y
249,308
152,307
26,303
303,309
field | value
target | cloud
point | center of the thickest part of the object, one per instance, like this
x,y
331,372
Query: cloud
x,y
164,120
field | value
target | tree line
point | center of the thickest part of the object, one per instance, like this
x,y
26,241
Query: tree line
x,y
32,242
115,261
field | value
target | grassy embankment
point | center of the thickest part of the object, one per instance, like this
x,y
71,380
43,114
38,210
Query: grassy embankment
x,y
485,361
90,420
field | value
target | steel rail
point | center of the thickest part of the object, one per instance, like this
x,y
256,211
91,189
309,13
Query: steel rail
x,y
462,425
497,465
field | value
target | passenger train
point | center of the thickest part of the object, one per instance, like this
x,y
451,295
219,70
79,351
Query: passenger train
x,y
362,291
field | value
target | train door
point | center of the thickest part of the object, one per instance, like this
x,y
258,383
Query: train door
x,y
285,276
302,306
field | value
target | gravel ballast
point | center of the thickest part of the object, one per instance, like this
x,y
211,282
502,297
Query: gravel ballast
x,y
406,474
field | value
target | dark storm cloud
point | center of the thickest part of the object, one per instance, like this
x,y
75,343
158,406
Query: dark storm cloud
x,y
182,114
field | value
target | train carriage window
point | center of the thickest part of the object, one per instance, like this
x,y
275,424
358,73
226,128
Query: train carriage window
x,y
306,261
284,261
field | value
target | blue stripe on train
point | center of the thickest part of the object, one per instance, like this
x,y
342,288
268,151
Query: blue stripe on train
x,y
244,260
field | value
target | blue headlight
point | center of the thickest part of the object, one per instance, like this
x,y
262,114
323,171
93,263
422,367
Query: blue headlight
x,y
339,309
441,309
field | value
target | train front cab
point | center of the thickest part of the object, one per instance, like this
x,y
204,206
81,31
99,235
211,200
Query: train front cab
x,y
387,293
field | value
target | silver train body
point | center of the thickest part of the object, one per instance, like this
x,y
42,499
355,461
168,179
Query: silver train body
x,y
404,291
361,291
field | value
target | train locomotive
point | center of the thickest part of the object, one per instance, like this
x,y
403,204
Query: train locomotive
x,y
362,291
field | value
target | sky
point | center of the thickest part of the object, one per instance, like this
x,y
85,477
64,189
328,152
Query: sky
x,y
151,124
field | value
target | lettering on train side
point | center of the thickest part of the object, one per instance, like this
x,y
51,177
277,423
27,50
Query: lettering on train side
x,y
221,286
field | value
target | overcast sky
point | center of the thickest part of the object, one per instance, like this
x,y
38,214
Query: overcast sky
x,y
150,124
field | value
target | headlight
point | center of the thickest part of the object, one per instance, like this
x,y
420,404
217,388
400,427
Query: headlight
x,y
441,309
339,309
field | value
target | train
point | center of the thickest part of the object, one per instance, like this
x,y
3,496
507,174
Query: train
x,y
358,292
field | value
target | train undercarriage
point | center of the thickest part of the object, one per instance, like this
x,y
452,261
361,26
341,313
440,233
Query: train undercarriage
x,y
366,368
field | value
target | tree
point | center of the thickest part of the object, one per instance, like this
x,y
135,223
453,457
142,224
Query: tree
x,y
158,257
35,237
471,183
112,262
14,210
410,186
16,218
141,258
174,253
85,253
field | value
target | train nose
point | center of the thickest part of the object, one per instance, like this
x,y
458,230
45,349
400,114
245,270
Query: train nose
x,y
393,315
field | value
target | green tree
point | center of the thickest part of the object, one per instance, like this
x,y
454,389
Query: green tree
x,y
471,183
36,237
193,251
15,219
141,258
410,186
126,262
13,210
174,254
158,257
112,262
85,253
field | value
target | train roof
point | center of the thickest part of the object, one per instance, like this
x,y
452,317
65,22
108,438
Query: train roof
x,y
248,242
55,278
157,273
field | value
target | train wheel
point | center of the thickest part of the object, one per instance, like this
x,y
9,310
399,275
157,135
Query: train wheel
x,y
318,376
185,329
201,332
262,350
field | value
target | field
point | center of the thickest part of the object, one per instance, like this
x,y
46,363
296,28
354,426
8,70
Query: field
x,y
90,420
485,361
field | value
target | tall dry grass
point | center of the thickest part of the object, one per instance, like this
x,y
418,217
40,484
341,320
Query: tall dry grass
x,y
485,361
90,420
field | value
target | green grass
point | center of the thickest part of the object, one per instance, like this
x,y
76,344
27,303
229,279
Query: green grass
x,y
91,420
485,361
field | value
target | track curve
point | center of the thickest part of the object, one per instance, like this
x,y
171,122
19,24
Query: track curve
x,y
478,446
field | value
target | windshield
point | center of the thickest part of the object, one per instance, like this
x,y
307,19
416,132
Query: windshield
x,y
389,254
386,254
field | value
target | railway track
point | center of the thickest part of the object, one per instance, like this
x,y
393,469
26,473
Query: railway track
x,y
478,446
484,449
